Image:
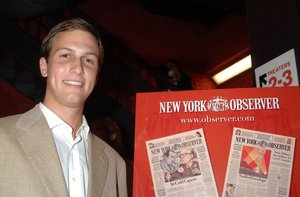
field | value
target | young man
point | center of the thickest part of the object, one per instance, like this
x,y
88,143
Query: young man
x,y
49,151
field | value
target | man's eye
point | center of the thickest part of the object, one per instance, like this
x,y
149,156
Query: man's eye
x,y
87,60
65,55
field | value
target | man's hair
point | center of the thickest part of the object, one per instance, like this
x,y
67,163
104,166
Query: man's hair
x,y
70,25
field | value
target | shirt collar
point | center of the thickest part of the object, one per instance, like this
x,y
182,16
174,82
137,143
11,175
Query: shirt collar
x,y
85,127
54,121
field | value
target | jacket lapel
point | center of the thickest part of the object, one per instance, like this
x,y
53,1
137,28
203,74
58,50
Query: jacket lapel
x,y
36,139
98,167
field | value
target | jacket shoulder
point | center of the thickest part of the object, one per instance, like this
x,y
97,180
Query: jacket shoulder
x,y
9,122
22,121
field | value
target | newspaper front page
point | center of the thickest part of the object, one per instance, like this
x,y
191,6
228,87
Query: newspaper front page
x,y
180,165
259,164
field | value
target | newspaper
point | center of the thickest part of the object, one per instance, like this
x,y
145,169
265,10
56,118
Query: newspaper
x,y
180,165
259,164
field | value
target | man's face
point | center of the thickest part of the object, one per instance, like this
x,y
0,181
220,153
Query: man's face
x,y
172,158
71,69
185,155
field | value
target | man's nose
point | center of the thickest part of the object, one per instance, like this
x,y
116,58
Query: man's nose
x,y
77,66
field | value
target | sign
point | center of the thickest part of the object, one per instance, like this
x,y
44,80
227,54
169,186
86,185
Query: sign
x,y
166,118
279,72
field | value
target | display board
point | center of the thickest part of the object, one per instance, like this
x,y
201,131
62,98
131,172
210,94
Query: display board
x,y
217,113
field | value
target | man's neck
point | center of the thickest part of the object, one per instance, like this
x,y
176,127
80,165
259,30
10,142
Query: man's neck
x,y
71,115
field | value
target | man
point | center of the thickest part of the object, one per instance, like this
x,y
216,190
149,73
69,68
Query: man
x,y
170,161
188,165
171,69
49,151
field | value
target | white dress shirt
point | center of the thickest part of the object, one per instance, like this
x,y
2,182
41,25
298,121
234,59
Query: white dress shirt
x,y
72,152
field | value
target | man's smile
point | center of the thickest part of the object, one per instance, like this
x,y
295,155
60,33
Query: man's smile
x,y
73,83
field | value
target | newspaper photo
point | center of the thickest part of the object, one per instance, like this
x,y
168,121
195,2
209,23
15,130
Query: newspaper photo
x,y
180,165
259,164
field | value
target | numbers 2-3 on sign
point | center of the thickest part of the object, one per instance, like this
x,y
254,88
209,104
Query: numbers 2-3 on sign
x,y
281,71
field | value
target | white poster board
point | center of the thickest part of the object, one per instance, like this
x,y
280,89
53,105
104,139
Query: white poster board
x,y
279,72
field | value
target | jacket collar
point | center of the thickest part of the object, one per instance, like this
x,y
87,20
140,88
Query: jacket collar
x,y
98,166
36,139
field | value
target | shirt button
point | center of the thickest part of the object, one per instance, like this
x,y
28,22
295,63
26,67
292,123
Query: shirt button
x,y
74,179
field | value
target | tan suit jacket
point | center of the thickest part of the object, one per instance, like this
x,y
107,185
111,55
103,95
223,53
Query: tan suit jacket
x,y
30,166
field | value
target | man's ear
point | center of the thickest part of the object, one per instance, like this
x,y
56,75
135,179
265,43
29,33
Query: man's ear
x,y
43,67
